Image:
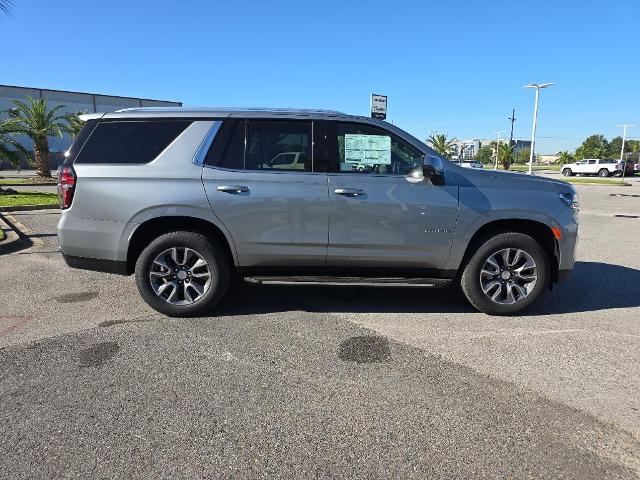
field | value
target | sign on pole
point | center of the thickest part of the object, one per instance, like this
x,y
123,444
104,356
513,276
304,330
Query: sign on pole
x,y
378,106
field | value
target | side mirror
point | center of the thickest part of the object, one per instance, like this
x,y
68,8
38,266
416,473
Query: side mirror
x,y
429,171
432,174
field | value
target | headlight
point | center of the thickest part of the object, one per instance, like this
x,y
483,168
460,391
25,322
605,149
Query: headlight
x,y
570,199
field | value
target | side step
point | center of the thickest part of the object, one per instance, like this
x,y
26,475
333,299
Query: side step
x,y
350,281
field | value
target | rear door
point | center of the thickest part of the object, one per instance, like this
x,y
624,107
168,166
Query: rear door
x,y
261,182
382,215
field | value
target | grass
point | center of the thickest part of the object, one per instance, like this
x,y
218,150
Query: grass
x,y
28,198
2,235
525,168
27,180
594,181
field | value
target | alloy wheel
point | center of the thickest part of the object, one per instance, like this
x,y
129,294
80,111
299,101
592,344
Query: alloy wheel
x,y
508,276
180,276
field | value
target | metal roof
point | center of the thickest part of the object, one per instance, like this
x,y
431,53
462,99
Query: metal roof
x,y
227,112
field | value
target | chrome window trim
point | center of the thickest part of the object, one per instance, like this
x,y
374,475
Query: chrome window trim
x,y
204,146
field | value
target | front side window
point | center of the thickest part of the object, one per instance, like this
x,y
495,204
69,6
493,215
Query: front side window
x,y
371,150
130,142
278,145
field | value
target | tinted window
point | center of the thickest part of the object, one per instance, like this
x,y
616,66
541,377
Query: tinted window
x,y
79,141
131,141
372,150
227,151
278,145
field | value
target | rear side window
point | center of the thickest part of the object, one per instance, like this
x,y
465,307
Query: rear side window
x,y
130,141
78,142
263,145
278,145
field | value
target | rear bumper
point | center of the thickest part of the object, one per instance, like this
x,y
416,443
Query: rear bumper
x,y
89,238
96,264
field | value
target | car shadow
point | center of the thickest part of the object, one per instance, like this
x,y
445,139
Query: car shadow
x,y
592,286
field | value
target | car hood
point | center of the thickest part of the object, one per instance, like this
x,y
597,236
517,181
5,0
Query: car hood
x,y
501,178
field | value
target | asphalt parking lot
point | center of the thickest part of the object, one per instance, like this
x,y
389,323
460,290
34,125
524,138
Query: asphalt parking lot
x,y
302,382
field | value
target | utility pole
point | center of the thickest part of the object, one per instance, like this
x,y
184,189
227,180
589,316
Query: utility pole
x,y
495,167
513,119
624,137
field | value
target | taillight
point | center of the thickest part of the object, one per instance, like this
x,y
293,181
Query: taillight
x,y
66,185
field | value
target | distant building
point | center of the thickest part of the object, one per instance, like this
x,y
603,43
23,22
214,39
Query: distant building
x,y
547,159
73,102
466,149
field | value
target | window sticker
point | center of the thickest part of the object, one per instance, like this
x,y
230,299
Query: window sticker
x,y
367,149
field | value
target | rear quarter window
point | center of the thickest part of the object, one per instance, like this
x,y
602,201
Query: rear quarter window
x,y
130,142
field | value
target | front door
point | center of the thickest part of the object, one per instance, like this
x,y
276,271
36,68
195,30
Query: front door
x,y
382,212
268,195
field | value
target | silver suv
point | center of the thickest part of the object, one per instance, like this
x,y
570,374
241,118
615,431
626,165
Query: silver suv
x,y
188,198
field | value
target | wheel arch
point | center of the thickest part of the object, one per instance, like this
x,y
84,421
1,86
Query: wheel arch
x,y
150,229
537,230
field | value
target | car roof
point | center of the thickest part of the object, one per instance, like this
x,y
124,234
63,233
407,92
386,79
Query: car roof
x,y
208,112
272,113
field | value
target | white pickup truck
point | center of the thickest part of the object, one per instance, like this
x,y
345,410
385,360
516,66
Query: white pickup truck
x,y
592,166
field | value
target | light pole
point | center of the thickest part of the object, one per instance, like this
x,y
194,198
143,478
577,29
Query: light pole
x,y
495,167
624,137
537,86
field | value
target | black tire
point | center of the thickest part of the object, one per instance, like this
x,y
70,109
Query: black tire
x,y
603,172
211,251
567,172
470,278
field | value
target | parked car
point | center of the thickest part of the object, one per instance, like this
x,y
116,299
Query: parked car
x,y
468,163
594,166
184,199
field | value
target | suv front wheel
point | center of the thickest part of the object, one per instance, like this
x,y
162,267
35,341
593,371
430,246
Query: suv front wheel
x,y
507,273
182,274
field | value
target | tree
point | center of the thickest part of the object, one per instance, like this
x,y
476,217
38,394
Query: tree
x,y
615,145
74,123
5,6
564,157
35,120
441,144
523,155
485,154
9,147
505,154
595,146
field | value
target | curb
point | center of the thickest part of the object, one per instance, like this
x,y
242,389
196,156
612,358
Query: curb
x,y
27,208
12,242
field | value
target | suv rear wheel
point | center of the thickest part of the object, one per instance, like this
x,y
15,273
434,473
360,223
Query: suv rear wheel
x,y
182,274
507,273
567,172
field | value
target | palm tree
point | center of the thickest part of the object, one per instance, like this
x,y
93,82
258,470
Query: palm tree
x,y
36,121
5,6
505,153
74,123
564,157
9,147
441,144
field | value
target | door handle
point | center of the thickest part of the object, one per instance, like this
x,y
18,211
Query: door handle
x,y
232,188
350,192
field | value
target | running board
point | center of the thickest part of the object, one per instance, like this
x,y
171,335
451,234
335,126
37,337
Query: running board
x,y
350,281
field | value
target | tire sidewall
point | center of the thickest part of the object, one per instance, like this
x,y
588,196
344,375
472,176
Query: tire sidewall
x,y
470,280
208,249
566,172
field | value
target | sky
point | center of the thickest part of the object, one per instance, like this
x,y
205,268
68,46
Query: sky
x,y
454,67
